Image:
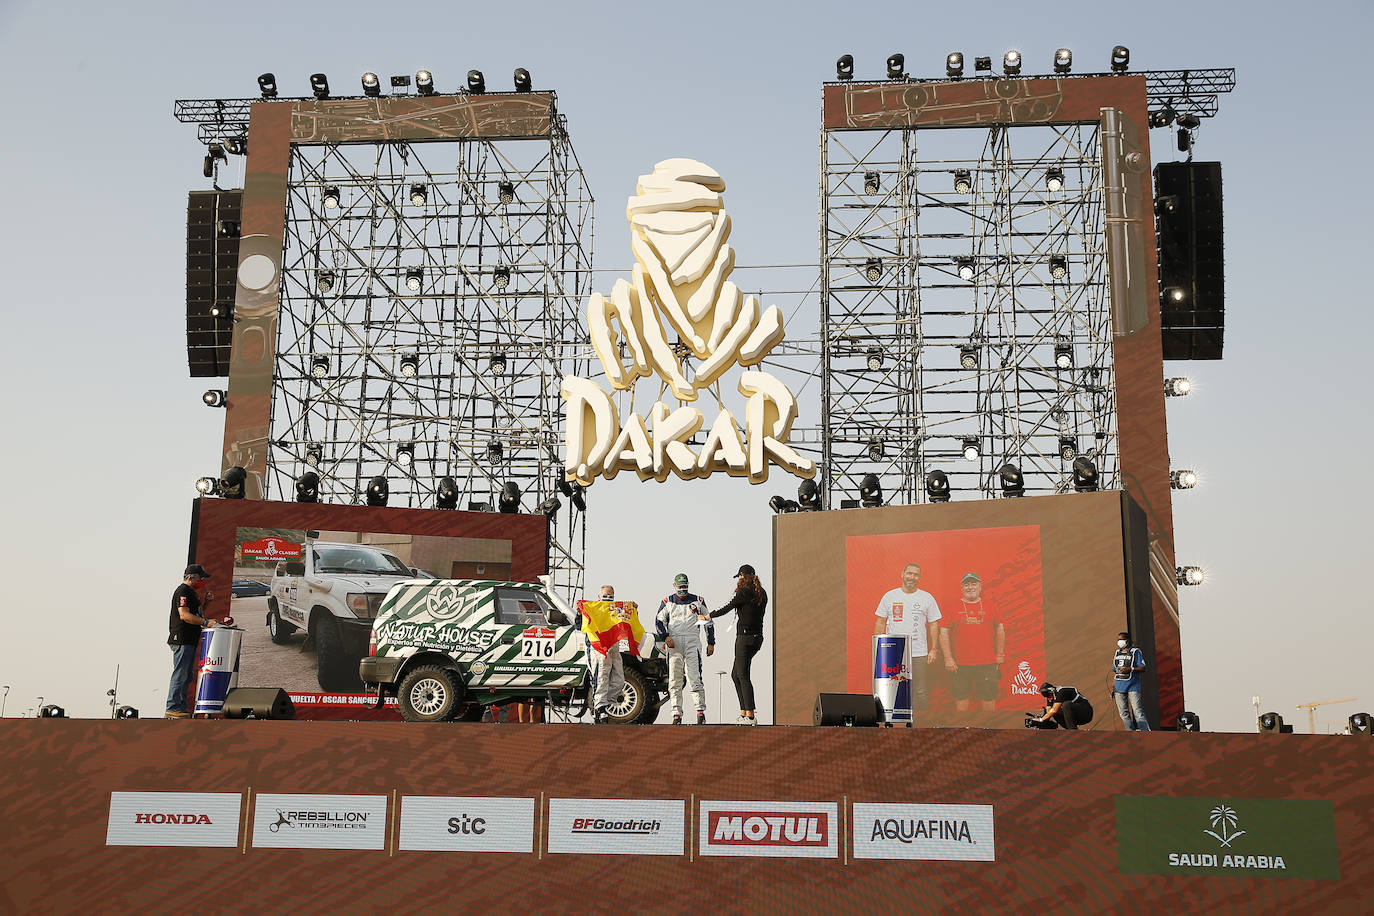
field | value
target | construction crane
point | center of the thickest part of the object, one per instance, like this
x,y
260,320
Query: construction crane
x,y
1312,711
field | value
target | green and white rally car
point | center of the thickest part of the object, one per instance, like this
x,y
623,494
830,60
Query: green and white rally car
x,y
446,648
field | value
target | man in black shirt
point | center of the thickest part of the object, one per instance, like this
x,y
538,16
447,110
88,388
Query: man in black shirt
x,y
187,617
1065,708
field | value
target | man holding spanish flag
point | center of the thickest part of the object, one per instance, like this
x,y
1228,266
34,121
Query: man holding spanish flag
x,y
610,627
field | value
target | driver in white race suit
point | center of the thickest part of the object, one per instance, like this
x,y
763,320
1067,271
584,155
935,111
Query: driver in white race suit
x,y
679,630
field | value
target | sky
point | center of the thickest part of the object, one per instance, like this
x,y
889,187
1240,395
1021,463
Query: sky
x,y
108,433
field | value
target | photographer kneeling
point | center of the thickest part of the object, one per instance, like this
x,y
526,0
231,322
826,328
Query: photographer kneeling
x,y
1065,708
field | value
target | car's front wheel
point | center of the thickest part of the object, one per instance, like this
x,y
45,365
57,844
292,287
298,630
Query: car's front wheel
x,y
278,629
333,668
633,700
428,694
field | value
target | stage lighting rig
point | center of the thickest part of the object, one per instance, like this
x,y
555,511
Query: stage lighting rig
x,y
500,278
1084,475
523,83
809,496
1121,59
319,367
505,192
1183,479
1188,722
319,84
1163,117
405,454
896,64
970,449
330,198
208,486
446,496
937,487
872,184
308,488
963,181
1063,353
873,270
1068,448
509,501
324,281
965,268
215,397
968,357
1059,267
982,64
1063,60
409,365
477,83
474,506
875,359
51,711
549,507
125,712
875,449
870,491
497,365
267,85
1177,387
415,279
419,193
1054,179
1011,62
1189,575
1359,724
372,85
1013,483
231,482
579,497
424,82
314,454
495,451
1271,723
378,491
954,65
781,504
844,67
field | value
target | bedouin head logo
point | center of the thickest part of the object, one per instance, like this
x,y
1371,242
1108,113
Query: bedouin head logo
x,y
1024,677
1224,820
681,284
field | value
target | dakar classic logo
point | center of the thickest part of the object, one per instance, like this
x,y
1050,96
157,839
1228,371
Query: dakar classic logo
x,y
766,828
1024,683
161,817
678,234
271,549
1224,830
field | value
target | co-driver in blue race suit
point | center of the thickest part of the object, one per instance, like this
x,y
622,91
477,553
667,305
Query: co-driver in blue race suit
x,y
679,630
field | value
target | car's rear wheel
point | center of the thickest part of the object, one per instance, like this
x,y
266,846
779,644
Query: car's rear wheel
x,y
278,629
633,700
429,694
332,667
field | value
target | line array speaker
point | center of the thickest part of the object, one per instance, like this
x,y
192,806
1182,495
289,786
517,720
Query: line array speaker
x,y
212,262
1188,231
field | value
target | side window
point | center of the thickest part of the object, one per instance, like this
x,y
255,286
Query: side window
x,y
520,608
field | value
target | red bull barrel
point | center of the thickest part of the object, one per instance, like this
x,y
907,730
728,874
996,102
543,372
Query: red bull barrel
x,y
218,672
892,678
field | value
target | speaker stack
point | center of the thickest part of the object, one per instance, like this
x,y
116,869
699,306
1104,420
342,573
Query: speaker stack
x,y
1188,230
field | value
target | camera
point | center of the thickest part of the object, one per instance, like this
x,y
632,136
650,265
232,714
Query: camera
x,y
1032,721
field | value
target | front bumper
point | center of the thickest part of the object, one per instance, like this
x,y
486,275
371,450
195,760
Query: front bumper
x,y
379,669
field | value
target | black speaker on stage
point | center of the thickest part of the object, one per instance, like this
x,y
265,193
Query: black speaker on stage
x,y
212,265
849,709
258,703
1188,231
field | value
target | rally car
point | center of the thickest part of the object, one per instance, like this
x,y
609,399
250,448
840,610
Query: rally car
x,y
448,648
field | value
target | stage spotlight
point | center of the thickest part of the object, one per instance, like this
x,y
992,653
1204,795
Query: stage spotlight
x,y
969,446
232,481
1177,387
419,193
215,397
1271,723
871,183
523,83
410,365
1054,179
875,449
509,501
875,359
314,454
51,711
1011,62
308,488
1068,448
500,278
870,491
1059,267
228,228
1121,58
477,84
809,496
125,712
963,181
1188,722
1063,60
208,486
965,268
778,504
549,507
372,86
267,84
330,198
1162,118
937,487
895,67
222,310
873,270
1012,481
1169,203
324,281
1084,475
415,278
319,367
844,67
981,64
377,491
405,454
480,507
579,497
1359,724
424,82
968,357
1185,140
1063,354
495,451
1189,575
446,496
238,146
954,65
1189,121
1182,480
1172,295
319,84
497,364
505,192
565,487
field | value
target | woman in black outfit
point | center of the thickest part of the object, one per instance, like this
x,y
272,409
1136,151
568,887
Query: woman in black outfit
x,y
748,604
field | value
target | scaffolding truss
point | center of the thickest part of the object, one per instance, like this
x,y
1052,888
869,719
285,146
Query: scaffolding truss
x,y
965,318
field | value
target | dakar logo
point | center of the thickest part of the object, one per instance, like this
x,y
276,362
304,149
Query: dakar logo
x,y
1224,816
1024,681
678,234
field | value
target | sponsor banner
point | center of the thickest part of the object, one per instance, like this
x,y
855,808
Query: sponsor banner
x,y
337,699
951,832
467,824
174,819
271,549
755,828
1235,837
320,821
618,826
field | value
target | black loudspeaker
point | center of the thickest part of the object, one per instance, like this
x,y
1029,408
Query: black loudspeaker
x,y
212,264
1360,724
1188,231
1271,723
851,709
258,703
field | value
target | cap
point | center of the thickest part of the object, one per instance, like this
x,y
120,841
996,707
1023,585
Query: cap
x,y
745,570
680,580
195,569
971,575
1047,689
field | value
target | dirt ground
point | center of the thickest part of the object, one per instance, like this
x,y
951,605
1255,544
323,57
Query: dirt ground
x,y
264,664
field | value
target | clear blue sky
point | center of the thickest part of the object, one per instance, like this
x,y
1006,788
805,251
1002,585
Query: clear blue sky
x,y
107,433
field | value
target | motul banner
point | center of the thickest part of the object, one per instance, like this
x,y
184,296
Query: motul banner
x,y
788,829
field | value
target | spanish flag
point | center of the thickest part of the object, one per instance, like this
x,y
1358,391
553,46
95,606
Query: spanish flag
x,y
608,622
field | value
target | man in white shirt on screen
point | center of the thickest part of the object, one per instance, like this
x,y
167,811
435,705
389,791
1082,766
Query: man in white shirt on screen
x,y
911,612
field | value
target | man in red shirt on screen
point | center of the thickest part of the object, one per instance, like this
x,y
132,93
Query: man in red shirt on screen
x,y
974,641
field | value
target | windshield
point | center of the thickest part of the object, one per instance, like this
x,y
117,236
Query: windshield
x,y
358,560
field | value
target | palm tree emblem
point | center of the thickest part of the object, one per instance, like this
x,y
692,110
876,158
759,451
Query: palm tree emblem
x,y
1224,817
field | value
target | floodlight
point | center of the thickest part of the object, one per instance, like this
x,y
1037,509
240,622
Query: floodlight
x,y
1063,60
125,712
446,496
308,488
405,454
1012,481
222,310
1182,479
579,497
1188,722
498,364
1063,353
809,496
509,501
1068,448
477,84
871,183
844,67
505,192
1084,475
208,486
324,281
1177,387
970,448
377,491
372,86
937,487
1359,724
875,449
1189,575
319,84
51,711
319,367
965,268
1189,121
895,67
1054,179
415,278
778,504
954,65
500,278
419,193
522,80
267,84
409,365
870,491
330,198
232,481
1059,267
875,359
549,507
1163,117
968,357
873,270
215,397
963,181
314,454
495,450
424,82
1121,58
981,64
1011,62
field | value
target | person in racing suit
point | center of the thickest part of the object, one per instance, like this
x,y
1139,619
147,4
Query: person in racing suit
x,y
679,630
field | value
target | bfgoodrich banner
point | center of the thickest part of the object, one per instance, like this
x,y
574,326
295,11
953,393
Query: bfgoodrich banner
x,y
1256,837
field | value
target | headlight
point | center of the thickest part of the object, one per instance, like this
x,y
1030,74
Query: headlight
x,y
364,605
